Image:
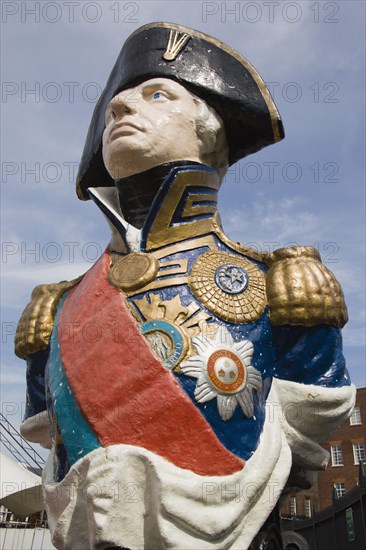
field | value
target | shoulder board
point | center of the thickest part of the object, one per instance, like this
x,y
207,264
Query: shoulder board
x,y
36,323
302,291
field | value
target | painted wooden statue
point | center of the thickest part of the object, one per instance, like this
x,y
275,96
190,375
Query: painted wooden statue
x,y
181,379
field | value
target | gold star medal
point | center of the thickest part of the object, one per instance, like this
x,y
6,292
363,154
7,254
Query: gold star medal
x,y
228,285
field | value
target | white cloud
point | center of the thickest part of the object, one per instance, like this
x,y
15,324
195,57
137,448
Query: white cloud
x,y
283,221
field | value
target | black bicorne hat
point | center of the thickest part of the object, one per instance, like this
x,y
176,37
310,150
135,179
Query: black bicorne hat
x,y
205,66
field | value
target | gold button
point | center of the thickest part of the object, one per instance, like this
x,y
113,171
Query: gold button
x,y
134,271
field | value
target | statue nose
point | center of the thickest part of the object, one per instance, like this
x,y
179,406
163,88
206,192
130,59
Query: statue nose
x,y
122,105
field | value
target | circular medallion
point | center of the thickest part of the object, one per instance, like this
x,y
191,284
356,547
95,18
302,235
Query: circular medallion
x,y
226,371
166,340
134,271
231,278
230,286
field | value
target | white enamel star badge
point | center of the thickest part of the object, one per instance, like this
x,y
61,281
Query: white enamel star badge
x,y
223,370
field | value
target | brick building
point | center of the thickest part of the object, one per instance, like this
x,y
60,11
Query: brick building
x,y
347,447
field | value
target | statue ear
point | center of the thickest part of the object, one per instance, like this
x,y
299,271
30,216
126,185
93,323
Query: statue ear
x,y
206,134
211,137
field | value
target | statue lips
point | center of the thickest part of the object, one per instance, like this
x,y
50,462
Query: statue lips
x,y
123,128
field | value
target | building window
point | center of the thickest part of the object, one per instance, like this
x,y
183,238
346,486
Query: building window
x,y
3,512
337,457
307,507
359,452
340,489
293,506
355,418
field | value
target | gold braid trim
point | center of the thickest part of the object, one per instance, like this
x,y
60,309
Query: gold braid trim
x,y
302,291
36,323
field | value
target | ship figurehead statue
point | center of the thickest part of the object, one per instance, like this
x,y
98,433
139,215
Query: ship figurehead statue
x,y
185,377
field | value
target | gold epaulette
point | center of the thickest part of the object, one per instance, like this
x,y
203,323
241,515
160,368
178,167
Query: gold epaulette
x,y
36,323
302,291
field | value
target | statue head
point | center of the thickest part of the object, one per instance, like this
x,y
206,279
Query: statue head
x,y
232,112
160,121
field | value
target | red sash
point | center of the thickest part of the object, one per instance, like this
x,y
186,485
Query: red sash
x,y
122,388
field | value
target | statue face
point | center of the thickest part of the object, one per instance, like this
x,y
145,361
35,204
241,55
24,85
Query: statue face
x,y
147,125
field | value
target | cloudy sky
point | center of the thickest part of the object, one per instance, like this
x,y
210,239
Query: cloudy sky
x,y
309,189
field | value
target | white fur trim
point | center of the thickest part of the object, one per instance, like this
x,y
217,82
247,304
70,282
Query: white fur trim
x,y
125,495
309,415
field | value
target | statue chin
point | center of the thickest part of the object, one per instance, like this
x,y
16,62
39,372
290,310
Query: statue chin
x,y
119,171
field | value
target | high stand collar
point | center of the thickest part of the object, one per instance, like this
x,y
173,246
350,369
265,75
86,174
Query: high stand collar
x,y
171,202
136,193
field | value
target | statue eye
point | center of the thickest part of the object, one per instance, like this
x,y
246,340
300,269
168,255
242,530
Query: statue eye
x,y
156,95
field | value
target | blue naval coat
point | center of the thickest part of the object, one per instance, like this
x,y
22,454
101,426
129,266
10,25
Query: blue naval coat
x,y
203,280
